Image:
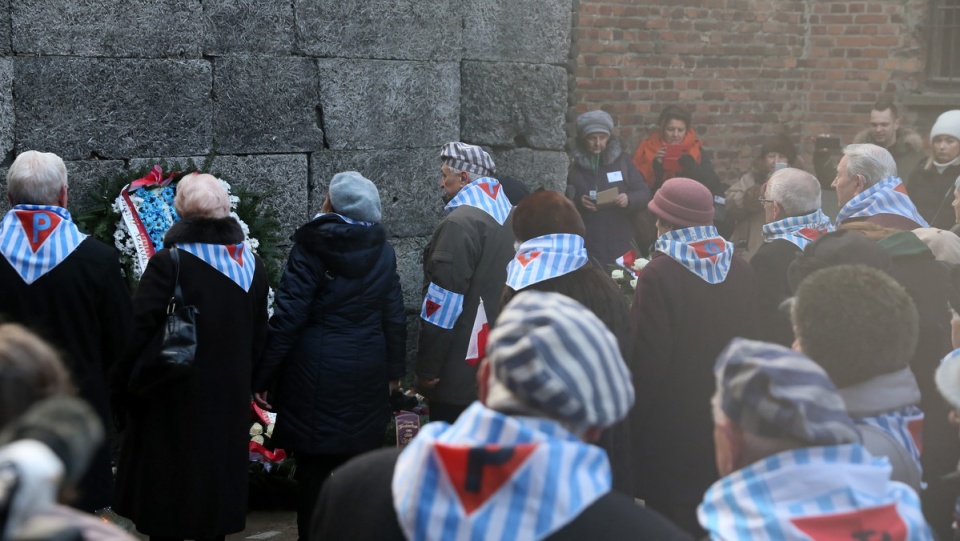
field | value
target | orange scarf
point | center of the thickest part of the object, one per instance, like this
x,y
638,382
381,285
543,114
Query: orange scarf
x,y
648,149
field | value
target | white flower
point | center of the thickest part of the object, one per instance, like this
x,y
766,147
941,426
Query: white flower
x,y
640,263
633,283
617,274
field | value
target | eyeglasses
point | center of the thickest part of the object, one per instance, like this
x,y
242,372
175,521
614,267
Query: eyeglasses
x,y
762,200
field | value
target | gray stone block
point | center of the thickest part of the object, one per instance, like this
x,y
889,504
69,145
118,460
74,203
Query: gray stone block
x,y
84,179
514,105
266,104
247,26
536,31
387,29
7,118
407,179
4,27
413,333
410,268
535,168
385,104
112,107
125,28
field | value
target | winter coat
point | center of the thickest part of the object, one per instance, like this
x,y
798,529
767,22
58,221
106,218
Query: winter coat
x,y
747,215
770,264
680,325
336,339
907,151
932,193
82,307
609,229
183,465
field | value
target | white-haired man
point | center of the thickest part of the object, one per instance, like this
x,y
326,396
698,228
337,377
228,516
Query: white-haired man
x,y
793,219
68,288
870,190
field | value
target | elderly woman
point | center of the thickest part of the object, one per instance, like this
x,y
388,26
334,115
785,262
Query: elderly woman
x,y
929,184
183,466
674,150
337,340
598,166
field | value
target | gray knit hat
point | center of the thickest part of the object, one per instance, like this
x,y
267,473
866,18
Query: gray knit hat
x,y
594,122
554,356
355,197
947,124
464,157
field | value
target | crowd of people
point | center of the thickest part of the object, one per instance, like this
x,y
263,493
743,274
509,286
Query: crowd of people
x,y
775,374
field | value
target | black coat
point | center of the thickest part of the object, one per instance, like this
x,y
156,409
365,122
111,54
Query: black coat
x,y
337,338
932,193
183,466
770,264
82,307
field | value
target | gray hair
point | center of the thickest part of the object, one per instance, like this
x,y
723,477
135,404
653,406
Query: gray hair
x,y
471,175
875,163
797,191
36,178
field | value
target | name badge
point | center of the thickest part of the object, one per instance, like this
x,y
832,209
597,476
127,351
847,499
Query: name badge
x,y
615,176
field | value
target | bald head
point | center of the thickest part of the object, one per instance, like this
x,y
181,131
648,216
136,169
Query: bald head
x,y
202,196
796,191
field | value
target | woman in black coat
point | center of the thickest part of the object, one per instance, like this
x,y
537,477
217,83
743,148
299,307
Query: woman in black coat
x,y
337,341
182,472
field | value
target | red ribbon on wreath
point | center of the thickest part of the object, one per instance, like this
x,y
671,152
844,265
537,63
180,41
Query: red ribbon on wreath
x,y
153,178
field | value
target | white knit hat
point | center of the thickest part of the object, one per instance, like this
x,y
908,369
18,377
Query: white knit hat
x,y
948,378
947,124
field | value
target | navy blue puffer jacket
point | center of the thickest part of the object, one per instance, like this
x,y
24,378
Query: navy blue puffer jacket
x,y
336,339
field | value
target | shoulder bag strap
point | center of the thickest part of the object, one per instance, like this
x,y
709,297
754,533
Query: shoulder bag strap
x,y
177,298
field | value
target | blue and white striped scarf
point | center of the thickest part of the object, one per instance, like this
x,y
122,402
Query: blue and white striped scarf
x,y
700,249
485,194
546,257
798,230
490,476
36,238
813,493
905,425
235,261
889,196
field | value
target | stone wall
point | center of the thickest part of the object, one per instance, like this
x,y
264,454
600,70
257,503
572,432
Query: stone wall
x,y
288,93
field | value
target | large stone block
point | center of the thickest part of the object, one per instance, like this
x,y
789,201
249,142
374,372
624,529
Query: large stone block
x,y
407,180
7,118
4,27
266,104
536,31
385,104
126,28
247,26
410,268
535,168
387,29
507,105
77,107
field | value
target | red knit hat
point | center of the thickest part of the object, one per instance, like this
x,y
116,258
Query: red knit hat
x,y
683,202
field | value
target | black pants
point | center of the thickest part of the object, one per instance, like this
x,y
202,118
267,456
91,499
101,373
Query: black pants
x,y
445,411
312,471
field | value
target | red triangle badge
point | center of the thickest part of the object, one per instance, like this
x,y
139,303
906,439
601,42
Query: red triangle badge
x,y
880,523
708,249
477,473
38,225
493,190
525,259
901,189
432,307
236,253
915,427
810,234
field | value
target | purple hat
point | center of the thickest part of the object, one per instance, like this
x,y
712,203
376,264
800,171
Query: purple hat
x,y
683,202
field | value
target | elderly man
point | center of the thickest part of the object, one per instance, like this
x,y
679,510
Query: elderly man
x,y
791,458
466,260
869,189
904,144
68,288
793,219
519,463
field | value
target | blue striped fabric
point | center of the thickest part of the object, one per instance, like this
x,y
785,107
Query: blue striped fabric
x,y
701,250
441,307
485,194
36,238
782,495
897,423
560,478
888,196
236,262
798,230
546,257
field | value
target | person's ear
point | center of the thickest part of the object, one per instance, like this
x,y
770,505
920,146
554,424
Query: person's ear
x,y
592,434
728,441
62,197
861,183
464,178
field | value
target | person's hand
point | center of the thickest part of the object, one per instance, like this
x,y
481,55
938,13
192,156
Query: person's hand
x,y
427,383
394,386
687,163
660,154
261,400
955,328
587,203
622,200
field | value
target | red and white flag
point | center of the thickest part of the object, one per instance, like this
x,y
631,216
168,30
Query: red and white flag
x,y
478,337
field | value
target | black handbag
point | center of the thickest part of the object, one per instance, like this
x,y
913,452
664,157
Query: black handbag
x,y
177,338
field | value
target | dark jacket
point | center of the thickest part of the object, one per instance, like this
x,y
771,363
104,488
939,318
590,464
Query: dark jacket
x,y
770,264
610,228
357,504
701,172
907,151
82,307
336,339
932,193
680,325
183,466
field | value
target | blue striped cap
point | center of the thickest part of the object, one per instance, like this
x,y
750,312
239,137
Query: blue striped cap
x,y
772,391
467,158
557,357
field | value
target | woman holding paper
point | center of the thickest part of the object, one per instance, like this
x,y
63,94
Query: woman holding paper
x,y
607,188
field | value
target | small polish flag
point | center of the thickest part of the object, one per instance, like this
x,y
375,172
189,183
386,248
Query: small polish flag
x,y
478,337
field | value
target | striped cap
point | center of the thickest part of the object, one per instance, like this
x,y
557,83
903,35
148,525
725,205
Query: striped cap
x,y
469,158
556,357
774,392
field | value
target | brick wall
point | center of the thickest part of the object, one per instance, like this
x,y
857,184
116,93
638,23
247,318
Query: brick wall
x,y
747,69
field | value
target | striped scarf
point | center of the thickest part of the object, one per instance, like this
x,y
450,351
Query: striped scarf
x,y
905,425
235,261
836,492
798,230
485,194
36,238
490,476
888,196
546,257
700,249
